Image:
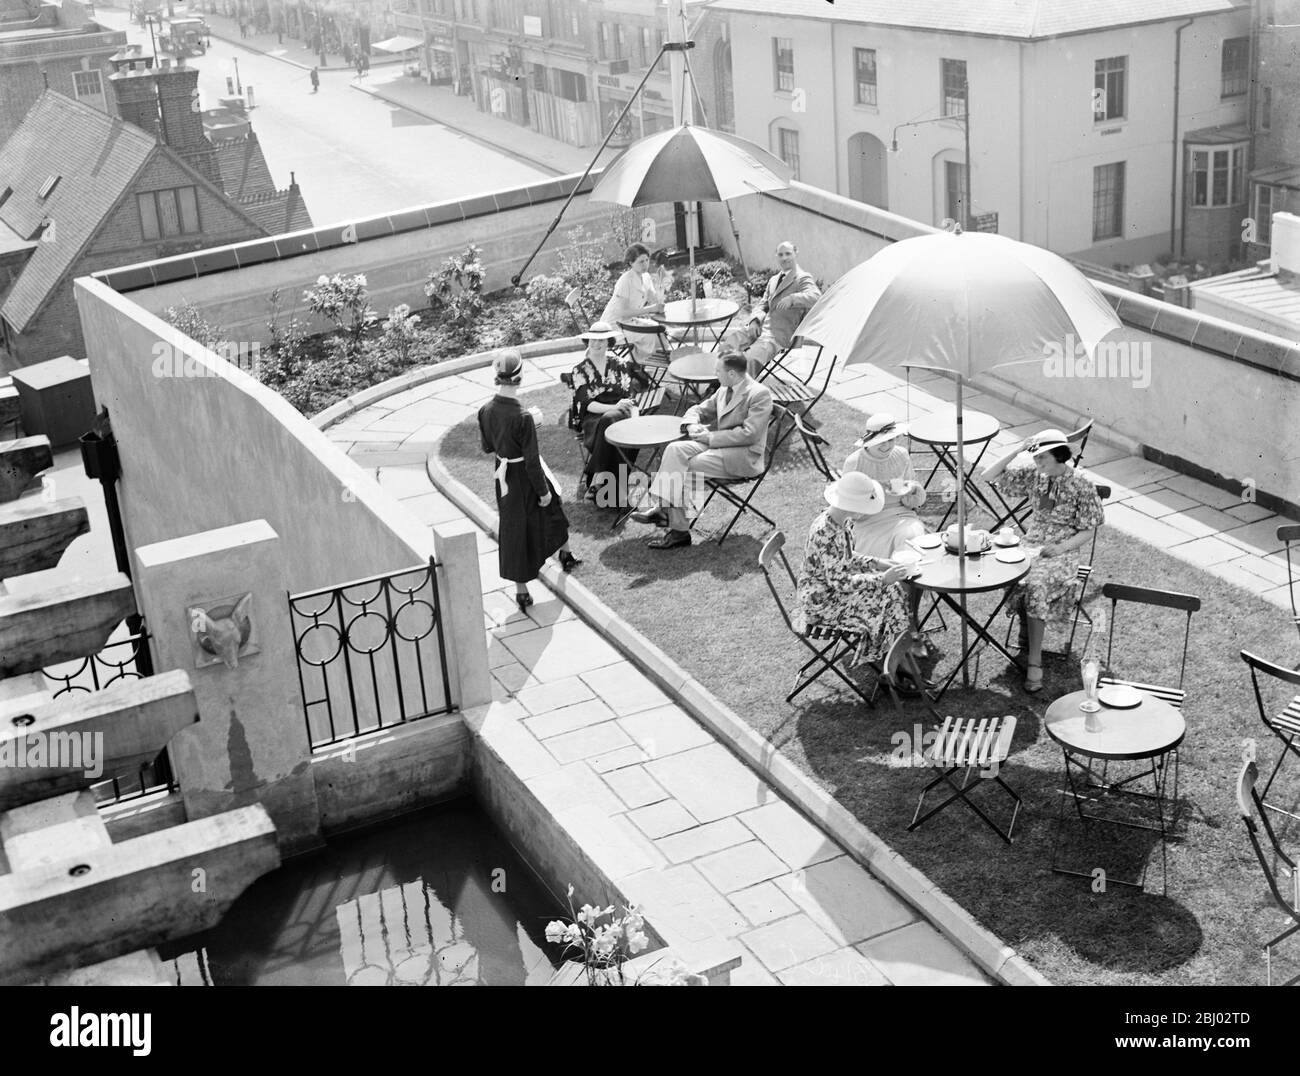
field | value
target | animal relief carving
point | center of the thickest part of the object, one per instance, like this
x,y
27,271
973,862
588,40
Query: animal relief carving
x,y
223,630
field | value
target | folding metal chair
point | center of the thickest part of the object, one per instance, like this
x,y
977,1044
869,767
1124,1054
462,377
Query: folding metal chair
x,y
1250,803
1188,603
800,394
577,311
1078,441
1286,725
974,746
1083,576
739,492
649,330
828,646
1288,533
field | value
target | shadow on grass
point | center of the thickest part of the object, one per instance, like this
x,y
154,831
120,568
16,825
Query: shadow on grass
x,y
713,615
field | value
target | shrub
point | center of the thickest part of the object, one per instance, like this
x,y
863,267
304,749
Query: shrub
x,y
582,265
344,301
400,334
193,324
455,291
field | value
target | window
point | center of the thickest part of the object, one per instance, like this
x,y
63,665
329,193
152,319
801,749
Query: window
x,y
602,41
864,76
88,86
1108,201
169,212
1110,89
539,78
570,85
620,49
1263,214
1217,177
1265,108
954,87
647,47
1235,64
575,27
955,191
787,148
783,62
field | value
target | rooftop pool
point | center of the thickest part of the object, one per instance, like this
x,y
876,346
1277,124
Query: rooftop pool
x,y
434,898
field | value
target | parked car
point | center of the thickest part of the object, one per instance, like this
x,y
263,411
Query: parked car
x,y
185,37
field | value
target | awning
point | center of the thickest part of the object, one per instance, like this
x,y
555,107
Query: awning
x,y
398,44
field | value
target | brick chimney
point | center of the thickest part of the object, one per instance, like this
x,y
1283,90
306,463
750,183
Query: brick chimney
x,y
136,93
182,122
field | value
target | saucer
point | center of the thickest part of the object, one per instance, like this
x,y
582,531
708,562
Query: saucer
x,y
1009,556
1120,697
1015,540
928,541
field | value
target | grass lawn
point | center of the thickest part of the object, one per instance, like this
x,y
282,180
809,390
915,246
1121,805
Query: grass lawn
x,y
710,610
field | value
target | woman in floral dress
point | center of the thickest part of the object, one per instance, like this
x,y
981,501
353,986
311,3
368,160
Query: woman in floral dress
x,y
1065,512
603,391
841,591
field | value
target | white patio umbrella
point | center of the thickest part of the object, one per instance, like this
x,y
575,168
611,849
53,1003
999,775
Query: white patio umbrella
x,y
689,164
961,302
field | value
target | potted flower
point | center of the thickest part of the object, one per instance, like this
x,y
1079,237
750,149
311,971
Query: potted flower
x,y
600,941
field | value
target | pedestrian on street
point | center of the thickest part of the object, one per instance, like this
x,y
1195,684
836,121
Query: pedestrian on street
x,y
360,65
315,80
243,28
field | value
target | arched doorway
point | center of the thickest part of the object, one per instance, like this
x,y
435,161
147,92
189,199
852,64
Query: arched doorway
x,y
867,170
723,92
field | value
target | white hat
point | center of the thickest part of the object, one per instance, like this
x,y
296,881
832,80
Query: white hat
x,y
601,330
855,492
880,427
508,365
1046,441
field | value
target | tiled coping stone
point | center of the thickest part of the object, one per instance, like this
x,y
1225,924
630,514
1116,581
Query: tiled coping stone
x,y
988,951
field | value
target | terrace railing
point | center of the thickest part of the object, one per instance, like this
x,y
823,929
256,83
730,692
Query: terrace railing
x,y
371,654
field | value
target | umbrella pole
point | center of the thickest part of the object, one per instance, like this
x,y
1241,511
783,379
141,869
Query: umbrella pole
x,y
692,280
961,532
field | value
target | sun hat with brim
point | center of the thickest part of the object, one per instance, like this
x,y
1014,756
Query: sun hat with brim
x,y
508,366
880,428
602,330
855,492
1046,441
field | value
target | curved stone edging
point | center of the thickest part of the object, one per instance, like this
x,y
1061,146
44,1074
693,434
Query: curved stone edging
x,y
988,951
433,372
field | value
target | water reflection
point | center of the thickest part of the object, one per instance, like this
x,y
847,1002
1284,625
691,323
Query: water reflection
x,y
435,899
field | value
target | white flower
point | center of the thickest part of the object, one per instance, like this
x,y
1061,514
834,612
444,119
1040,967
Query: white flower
x,y
637,941
573,934
555,931
360,280
322,279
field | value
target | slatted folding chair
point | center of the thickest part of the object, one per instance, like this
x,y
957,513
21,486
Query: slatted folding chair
x,y
1285,725
830,646
1288,533
1083,576
979,747
1168,599
1251,805
800,394
739,492
1078,442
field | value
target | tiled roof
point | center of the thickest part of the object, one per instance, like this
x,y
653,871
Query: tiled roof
x,y
243,167
97,158
1024,19
279,212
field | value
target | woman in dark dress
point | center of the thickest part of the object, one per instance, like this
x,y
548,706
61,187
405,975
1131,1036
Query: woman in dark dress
x,y
603,390
532,521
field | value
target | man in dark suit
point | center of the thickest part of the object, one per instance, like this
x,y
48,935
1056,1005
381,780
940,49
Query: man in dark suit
x,y
727,438
789,295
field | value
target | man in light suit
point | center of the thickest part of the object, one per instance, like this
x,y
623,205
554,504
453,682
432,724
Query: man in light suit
x,y
727,439
787,298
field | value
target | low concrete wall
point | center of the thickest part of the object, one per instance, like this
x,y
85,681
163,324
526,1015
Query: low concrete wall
x,y
1221,400
395,265
201,451
387,773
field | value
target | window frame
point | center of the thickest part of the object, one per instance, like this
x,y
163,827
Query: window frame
x,y
184,203
1112,225
1105,72
781,149
99,78
948,65
858,84
781,75
1239,78
602,41
1203,183
958,168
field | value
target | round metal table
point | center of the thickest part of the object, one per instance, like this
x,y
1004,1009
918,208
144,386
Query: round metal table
x,y
697,314
645,431
939,432
696,372
1143,733
943,576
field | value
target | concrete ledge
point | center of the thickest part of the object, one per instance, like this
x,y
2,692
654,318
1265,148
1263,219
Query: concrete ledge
x,y
997,960
390,772
419,376
1064,418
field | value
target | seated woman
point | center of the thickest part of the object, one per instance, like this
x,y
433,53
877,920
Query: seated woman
x,y
603,391
1065,512
879,456
636,294
840,590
